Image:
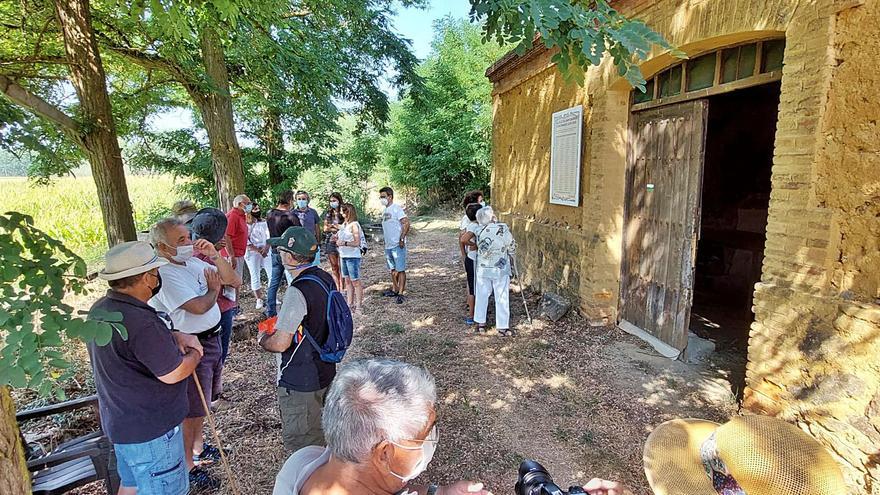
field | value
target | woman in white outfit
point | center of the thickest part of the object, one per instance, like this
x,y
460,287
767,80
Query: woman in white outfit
x,y
349,241
257,255
494,246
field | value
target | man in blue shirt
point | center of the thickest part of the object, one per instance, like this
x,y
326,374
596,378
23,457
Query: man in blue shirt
x,y
141,380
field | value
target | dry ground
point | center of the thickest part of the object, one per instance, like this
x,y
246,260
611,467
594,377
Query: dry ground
x,y
579,399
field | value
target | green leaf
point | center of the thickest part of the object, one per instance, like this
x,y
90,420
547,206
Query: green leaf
x,y
59,363
103,334
17,378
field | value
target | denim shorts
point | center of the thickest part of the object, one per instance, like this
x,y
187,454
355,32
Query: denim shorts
x,y
154,467
396,258
351,268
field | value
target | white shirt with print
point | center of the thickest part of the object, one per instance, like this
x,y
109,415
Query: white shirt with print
x,y
391,227
181,283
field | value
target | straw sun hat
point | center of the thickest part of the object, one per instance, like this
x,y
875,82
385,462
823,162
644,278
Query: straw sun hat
x,y
748,455
129,259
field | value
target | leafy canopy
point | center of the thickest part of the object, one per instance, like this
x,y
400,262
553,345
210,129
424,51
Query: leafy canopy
x,y
582,30
36,274
439,137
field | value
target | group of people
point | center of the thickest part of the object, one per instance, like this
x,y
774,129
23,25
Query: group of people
x,y
178,296
372,425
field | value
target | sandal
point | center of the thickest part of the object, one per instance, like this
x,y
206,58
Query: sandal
x,y
506,332
481,329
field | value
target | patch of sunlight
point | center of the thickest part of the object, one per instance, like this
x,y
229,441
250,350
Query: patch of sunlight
x,y
450,398
558,381
499,404
714,389
424,322
523,384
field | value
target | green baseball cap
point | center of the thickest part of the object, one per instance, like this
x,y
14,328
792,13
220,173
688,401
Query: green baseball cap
x,y
297,240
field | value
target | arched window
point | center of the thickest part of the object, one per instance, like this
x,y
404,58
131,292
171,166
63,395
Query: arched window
x,y
724,69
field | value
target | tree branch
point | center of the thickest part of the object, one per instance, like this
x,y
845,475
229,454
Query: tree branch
x,y
146,60
35,59
38,105
296,13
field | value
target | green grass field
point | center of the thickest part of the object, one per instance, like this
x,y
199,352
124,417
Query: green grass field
x,y
68,208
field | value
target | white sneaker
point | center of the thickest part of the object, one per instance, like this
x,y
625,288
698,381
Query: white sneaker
x,y
259,304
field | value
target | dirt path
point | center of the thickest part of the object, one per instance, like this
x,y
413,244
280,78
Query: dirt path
x,y
581,400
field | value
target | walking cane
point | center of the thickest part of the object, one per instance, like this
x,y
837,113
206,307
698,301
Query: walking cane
x,y
213,426
521,288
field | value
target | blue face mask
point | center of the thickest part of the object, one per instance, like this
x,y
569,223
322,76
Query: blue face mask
x,y
248,208
302,203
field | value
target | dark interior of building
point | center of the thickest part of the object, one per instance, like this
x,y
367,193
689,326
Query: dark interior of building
x,y
735,199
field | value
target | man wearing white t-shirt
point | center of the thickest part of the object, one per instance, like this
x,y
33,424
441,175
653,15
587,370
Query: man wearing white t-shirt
x,y
188,295
395,227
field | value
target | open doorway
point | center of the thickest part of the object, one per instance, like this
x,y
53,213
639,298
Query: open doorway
x,y
741,129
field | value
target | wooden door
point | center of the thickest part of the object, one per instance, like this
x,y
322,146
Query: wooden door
x,y
662,219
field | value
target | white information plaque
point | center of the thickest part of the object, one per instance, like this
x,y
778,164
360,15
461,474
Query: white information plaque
x,y
565,156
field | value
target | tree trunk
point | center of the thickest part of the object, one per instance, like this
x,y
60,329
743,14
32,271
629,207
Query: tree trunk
x,y
215,106
273,142
14,475
99,130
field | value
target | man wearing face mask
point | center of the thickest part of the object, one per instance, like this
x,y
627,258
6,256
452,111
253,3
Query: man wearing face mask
x,y
189,295
381,427
141,379
302,377
308,218
237,231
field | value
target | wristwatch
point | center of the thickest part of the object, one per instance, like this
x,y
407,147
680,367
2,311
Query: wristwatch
x,y
432,489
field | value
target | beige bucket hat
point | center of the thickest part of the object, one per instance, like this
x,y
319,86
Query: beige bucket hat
x,y
128,259
748,455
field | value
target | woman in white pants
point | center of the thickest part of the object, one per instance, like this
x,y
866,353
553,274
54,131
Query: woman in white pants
x,y
494,246
257,255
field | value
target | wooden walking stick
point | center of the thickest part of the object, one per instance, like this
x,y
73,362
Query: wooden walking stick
x,y
224,461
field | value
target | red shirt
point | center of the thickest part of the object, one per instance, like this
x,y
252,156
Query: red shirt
x,y
236,230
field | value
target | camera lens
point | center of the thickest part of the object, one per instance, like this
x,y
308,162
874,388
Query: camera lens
x,y
533,479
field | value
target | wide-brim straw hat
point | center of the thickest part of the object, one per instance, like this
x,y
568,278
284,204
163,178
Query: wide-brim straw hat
x,y
128,259
760,454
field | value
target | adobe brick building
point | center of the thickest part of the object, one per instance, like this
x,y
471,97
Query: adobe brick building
x,y
743,188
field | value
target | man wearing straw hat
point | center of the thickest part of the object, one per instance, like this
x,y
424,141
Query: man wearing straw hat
x,y
141,379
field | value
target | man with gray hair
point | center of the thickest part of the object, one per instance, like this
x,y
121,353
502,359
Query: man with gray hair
x,y
188,294
379,420
237,231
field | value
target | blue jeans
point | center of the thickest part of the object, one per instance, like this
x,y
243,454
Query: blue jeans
x,y
226,331
395,258
274,284
351,268
156,466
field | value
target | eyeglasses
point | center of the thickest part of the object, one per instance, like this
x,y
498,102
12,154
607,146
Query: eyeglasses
x,y
433,436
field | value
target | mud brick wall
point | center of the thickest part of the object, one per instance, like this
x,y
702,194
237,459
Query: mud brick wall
x,y
815,341
814,353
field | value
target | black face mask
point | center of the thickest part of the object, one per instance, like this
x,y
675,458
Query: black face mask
x,y
155,290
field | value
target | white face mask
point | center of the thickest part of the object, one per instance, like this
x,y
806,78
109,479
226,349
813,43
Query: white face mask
x,y
429,445
384,201
183,253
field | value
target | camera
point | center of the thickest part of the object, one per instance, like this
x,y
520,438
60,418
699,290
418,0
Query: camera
x,y
535,480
